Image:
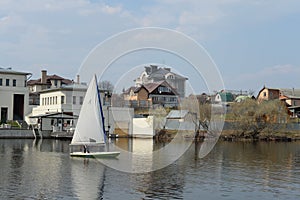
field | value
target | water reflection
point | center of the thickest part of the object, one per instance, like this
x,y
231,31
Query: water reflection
x,y
233,170
88,176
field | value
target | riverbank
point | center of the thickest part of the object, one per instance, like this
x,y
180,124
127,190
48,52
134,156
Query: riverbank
x,y
280,135
226,135
232,135
16,134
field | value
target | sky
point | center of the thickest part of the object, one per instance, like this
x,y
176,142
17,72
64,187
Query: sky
x,y
252,42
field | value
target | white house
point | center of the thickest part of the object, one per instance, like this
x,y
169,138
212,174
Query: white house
x,y
13,94
65,99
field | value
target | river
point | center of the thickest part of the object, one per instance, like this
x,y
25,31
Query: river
x,y
43,169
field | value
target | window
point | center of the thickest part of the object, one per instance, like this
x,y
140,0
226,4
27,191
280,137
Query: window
x,y
81,100
265,94
56,100
0,81
170,77
62,99
74,99
14,82
172,99
43,101
7,82
50,100
163,89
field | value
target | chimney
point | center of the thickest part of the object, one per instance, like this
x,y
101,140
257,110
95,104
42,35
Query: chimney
x,y
153,68
168,69
44,76
78,79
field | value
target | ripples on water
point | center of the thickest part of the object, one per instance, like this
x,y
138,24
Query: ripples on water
x,y
233,170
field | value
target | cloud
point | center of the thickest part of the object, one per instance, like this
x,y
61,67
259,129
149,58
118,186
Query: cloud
x,y
280,69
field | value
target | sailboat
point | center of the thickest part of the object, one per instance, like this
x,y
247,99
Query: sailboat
x,y
89,136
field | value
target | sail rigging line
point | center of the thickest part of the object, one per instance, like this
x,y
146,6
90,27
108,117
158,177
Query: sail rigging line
x,y
101,111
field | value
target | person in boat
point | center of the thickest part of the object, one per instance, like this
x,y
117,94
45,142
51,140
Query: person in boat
x,y
85,149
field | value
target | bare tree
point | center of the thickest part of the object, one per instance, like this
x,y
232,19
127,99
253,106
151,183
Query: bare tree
x,y
251,118
202,112
106,85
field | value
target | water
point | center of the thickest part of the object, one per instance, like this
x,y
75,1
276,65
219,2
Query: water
x,y
233,170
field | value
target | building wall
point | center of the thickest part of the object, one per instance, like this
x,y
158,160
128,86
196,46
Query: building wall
x,y
60,101
293,102
7,93
142,95
268,94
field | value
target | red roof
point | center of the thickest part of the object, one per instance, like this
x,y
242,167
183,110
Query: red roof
x,y
48,78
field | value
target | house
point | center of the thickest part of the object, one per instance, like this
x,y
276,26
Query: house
x,y
268,94
150,94
66,99
291,97
13,94
224,97
43,83
153,74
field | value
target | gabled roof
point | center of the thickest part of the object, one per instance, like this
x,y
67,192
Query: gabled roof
x,y
150,87
277,89
177,114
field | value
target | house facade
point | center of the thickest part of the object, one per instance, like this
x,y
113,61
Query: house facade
x,y
224,97
45,82
13,94
151,94
153,73
290,96
266,94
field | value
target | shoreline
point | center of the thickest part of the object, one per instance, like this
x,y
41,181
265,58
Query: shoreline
x,y
226,135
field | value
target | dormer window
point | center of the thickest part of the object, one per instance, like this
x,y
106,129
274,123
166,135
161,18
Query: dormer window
x,y
170,77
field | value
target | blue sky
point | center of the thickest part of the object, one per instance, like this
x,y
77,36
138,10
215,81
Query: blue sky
x,y
253,42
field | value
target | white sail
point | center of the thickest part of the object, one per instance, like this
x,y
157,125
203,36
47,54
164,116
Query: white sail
x,y
89,128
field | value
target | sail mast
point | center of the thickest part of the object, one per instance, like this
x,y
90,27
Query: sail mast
x,y
101,111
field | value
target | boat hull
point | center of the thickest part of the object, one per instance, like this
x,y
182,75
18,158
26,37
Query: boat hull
x,y
96,154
